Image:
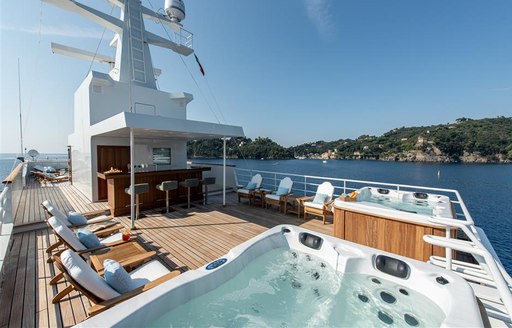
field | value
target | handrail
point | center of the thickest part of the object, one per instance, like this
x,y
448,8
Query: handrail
x,y
485,259
10,178
346,185
472,233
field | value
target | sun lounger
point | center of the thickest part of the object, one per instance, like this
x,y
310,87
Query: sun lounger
x,y
97,222
82,278
113,246
69,239
95,217
45,177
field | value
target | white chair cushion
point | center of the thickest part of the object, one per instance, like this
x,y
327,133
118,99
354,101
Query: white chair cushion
x,y
148,272
115,237
66,234
83,274
97,219
56,212
314,205
326,188
272,196
243,191
286,183
257,179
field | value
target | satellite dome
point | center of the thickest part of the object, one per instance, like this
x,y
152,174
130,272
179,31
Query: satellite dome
x,y
33,154
175,9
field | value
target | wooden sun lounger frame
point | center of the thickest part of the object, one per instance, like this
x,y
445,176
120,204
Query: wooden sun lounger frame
x,y
100,305
100,232
43,177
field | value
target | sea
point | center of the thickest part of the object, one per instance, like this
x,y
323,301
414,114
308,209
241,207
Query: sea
x,y
485,188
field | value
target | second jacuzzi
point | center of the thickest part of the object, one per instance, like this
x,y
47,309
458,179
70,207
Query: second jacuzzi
x,y
290,277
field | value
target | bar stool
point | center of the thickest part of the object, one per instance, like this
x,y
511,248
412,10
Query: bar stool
x,y
205,182
189,183
139,188
166,186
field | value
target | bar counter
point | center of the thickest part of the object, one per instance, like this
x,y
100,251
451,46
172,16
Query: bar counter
x,y
119,201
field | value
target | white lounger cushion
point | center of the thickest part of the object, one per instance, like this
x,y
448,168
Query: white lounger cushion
x,y
326,188
64,218
148,272
66,234
115,237
84,275
314,205
56,212
96,219
243,191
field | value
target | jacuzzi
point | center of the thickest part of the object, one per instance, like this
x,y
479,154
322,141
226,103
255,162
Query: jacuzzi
x,y
419,204
289,277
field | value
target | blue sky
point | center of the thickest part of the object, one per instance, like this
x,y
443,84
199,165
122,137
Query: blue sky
x,y
293,70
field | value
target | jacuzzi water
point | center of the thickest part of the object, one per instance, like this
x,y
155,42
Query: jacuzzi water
x,y
413,206
287,288
420,203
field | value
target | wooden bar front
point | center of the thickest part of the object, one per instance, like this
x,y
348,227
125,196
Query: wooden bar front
x,y
390,235
119,200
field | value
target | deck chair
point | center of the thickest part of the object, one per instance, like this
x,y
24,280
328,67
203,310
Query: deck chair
x,y
114,245
246,191
319,204
95,217
50,177
278,197
84,279
68,238
102,224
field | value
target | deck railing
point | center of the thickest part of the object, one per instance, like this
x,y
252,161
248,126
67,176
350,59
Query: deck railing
x,y
307,184
9,201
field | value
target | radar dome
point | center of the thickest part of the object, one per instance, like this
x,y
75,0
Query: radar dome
x,y
175,9
33,154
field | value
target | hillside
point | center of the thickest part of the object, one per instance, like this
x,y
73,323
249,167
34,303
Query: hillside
x,y
465,140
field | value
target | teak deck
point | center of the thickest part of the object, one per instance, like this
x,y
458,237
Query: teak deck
x,y
184,240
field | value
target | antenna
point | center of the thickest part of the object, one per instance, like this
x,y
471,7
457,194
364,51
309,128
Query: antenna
x,y
19,101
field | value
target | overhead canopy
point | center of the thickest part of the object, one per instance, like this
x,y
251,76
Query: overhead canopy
x,y
158,127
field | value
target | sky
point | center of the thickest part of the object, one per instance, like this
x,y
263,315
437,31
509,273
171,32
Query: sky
x,y
295,71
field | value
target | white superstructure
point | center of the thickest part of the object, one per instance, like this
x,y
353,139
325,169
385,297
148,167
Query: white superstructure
x,y
130,86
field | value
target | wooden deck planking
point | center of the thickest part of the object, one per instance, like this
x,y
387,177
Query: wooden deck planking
x,y
184,239
62,194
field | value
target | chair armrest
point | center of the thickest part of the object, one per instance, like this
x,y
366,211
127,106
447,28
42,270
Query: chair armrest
x,y
100,307
119,242
76,226
134,260
115,243
305,198
285,196
93,214
109,231
328,204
